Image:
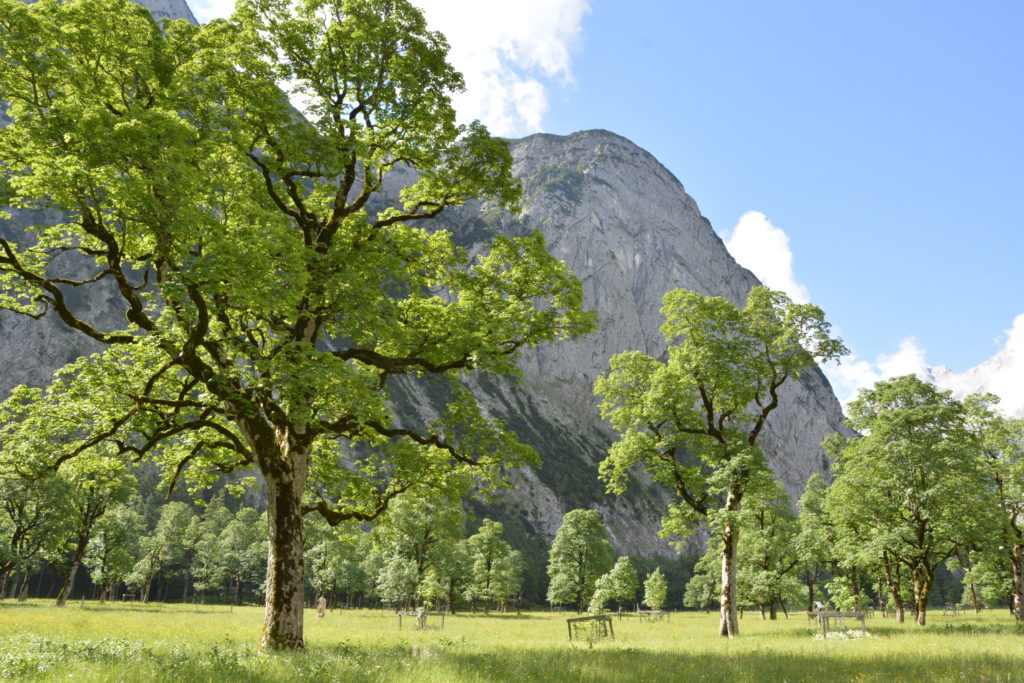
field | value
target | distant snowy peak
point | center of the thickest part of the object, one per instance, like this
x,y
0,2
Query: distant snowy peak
x,y
1002,374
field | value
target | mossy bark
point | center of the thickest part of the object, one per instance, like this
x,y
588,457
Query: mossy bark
x,y
285,475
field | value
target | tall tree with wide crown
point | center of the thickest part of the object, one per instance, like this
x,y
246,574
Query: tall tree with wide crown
x,y
272,290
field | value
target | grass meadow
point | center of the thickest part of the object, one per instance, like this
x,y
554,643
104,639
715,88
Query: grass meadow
x,y
133,642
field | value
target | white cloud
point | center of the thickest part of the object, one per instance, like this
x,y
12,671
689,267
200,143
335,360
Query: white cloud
x,y
1002,374
855,373
762,248
510,53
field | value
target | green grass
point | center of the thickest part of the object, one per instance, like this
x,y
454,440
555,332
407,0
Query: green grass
x,y
118,642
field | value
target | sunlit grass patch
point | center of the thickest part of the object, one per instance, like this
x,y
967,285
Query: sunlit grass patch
x,y
119,642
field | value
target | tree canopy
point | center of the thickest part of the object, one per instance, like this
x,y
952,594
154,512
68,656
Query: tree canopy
x,y
275,272
693,420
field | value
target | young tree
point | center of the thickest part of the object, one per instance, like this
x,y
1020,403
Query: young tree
x,y
162,549
489,551
508,579
114,549
693,421
655,589
620,584
32,513
243,550
91,491
768,555
815,539
206,568
419,529
704,589
275,272
579,555
909,487
397,580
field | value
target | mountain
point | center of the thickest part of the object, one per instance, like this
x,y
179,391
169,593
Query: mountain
x,y
1002,374
625,225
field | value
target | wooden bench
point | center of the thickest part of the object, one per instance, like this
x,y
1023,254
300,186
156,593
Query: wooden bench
x,y
591,628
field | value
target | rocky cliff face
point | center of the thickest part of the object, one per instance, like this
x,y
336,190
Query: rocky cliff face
x,y
626,227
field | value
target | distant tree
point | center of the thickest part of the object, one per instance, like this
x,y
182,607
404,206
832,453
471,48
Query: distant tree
x,y
243,550
455,570
703,590
655,589
620,584
768,554
163,548
602,594
579,555
270,287
115,547
421,529
815,538
397,580
32,520
91,491
489,551
909,487
508,579
624,581
693,421
206,568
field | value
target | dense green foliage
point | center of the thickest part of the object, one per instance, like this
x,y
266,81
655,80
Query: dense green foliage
x,y
579,555
693,421
266,307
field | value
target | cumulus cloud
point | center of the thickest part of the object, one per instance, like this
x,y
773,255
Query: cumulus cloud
x,y
855,373
763,249
510,53
1002,374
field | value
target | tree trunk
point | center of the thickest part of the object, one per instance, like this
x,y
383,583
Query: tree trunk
x,y
286,479
729,625
974,598
892,580
760,608
773,613
3,583
1017,563
69,581
922,587
23,591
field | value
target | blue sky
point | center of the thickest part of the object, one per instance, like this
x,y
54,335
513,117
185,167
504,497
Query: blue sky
x,y
884,139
